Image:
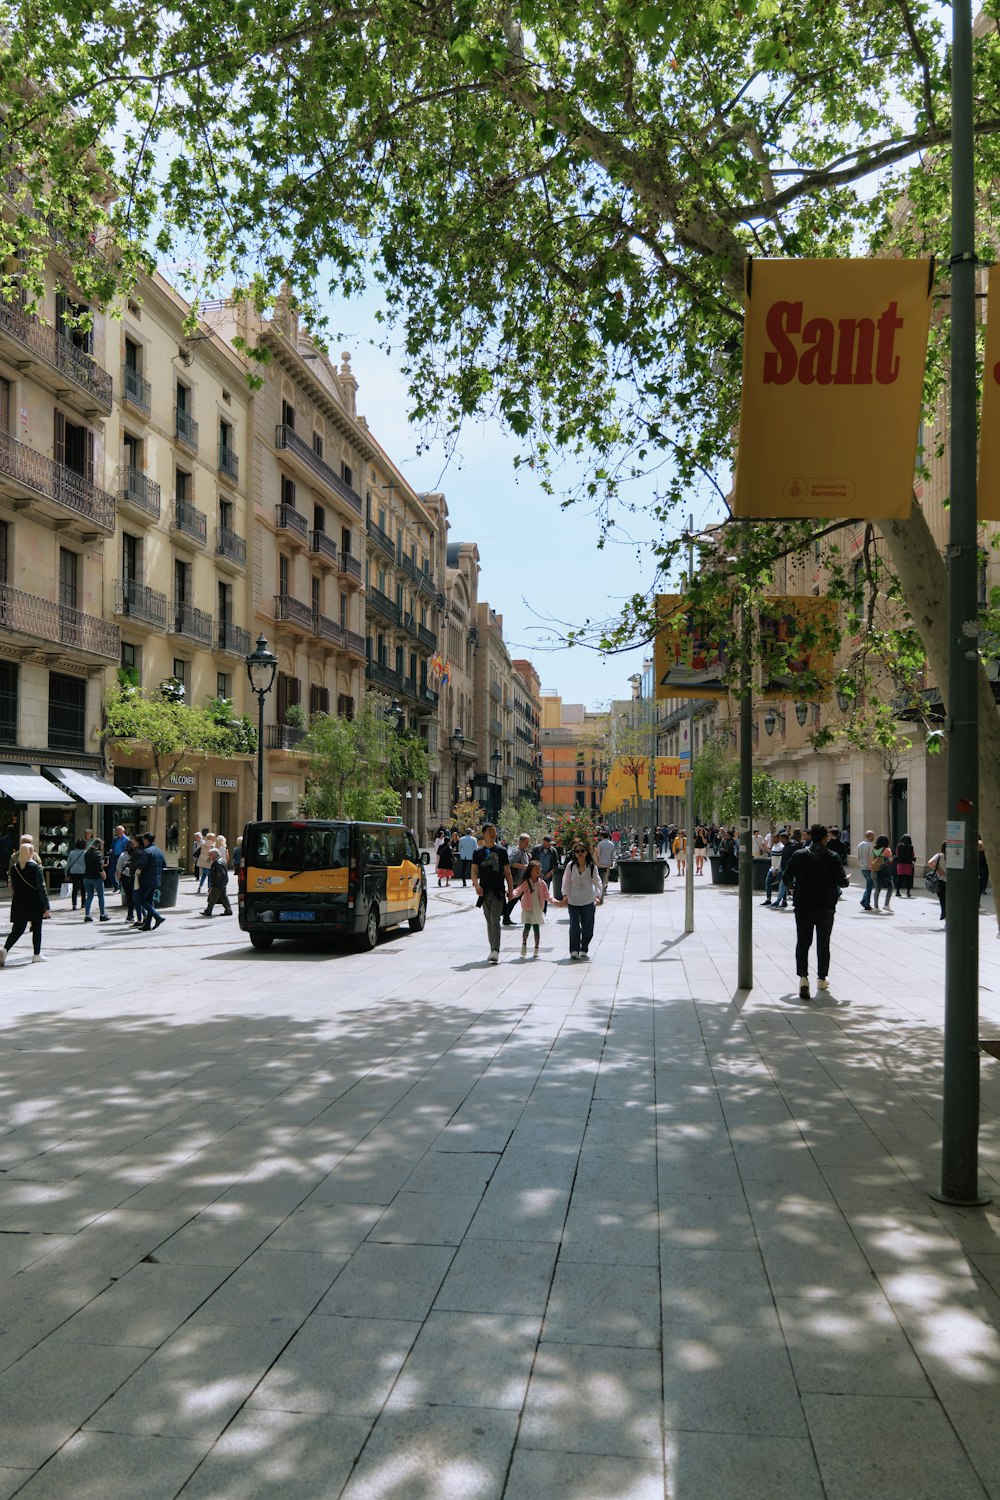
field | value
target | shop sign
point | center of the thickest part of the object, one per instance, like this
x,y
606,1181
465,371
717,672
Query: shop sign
x,y
281,791
227,783
185,781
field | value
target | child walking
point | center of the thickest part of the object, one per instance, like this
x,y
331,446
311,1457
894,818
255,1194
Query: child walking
x,y
534,894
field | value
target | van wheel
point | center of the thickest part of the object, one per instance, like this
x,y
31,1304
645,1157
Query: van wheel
x,y
418,922
261,941
369,937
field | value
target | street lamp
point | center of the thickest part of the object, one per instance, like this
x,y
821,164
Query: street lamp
x,y
495,759
802,713
262,665
394,716
772,719
457,745
843,701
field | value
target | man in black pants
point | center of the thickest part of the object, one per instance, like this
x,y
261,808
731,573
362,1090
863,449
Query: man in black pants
x,y
814,876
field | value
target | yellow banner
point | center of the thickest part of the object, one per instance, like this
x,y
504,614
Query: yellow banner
x,y
621,790
988,499
833,369
690,656
795,647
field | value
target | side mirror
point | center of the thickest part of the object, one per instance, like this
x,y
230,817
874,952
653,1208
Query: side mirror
x,y
425,858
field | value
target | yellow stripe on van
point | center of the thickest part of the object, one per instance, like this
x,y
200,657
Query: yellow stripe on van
x,y
304,882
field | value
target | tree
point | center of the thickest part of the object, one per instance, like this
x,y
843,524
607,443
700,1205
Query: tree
x,y
169,731
714,768
521,816
467,815
558,202
356,765
577,823
773,800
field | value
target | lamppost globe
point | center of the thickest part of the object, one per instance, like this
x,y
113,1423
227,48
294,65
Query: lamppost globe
x,y
262,664
394,715
456,743
802,713
770,721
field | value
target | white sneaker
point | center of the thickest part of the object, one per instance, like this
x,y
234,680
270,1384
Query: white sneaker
x,y
803,986
574,955
38,958
494,956
822,984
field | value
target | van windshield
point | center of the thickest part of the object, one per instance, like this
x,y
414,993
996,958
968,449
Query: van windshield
x,y
285,848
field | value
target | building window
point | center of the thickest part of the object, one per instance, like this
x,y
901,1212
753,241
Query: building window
x,y
69,578
67,713
345,540
319,699
343,611
317,595
345,706
130,661
317,445
319,518
226,514
131,558
399,660
225,603
182,485
8,702
289,693
287,491
182,672
182,582
4,553
347,474
284,574
288,415
224,685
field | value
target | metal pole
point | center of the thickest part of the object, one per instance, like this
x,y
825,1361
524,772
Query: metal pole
x,y
959,1170
260,757
745,934
689,789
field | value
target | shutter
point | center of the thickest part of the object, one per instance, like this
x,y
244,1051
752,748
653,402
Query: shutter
x,y
59,439
4,405
282,702
61,305
294,690
89,457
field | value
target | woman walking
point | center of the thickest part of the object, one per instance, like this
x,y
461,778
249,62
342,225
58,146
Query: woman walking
x,y
204,862
581,892
75,863
938,864
534,897
93,880
700,845
881,868
29,903
905,860
126,879
445,862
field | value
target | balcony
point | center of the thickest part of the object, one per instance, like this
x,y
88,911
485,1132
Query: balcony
x,y
139,492
495,691
290,611
428,697
408,566
190,521
350,567
230,546
382,539
53,349
426,586
28,477
44,620
233,639
186,428
383,605
328,631
229,464
321,545
385,676
136,390
283,736
427,637
354,644
192,623
287,438
496,726
139,604
291,521
409,688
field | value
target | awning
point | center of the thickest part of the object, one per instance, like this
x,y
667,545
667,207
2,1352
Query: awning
x,y
88,789
20,784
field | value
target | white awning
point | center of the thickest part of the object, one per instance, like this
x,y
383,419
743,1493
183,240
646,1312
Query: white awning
x,y
20,784
88,789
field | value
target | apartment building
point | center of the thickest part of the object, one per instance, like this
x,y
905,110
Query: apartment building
x,y
573,743
57,516
526,689
179,438
458,642
493,782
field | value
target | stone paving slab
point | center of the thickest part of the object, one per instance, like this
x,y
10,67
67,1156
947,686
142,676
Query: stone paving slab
x,y
406,1226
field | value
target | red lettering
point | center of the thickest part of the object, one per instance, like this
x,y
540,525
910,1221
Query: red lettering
x,y
783,318
850,372
816,364
886,367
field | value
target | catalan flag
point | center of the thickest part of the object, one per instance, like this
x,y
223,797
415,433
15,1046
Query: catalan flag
x,y
445,675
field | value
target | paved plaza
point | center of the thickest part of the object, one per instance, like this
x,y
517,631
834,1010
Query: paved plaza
x,y
323,1225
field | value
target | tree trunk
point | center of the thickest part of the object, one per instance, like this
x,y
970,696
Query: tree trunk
x,y
924,578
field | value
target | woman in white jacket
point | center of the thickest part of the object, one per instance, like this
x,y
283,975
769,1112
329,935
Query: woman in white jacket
x,y
581,892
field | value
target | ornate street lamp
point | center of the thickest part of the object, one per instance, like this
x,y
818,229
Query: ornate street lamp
x,y
770,722
802,713
262,665
456,744
843,701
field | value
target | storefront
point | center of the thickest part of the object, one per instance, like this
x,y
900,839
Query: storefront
x,y
31,804
99,805
286,792
225,808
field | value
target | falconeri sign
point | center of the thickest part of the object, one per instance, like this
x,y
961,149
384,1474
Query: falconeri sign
x,y
833,368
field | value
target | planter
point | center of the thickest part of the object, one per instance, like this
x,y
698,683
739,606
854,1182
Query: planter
x,y
725,869
168,888
642,877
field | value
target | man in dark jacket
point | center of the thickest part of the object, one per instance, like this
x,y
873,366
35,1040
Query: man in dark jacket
x,y
148,866
814,876
792,847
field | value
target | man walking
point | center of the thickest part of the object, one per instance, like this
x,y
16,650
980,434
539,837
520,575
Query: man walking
x,y
865,848
466,849
519,858
149,865
116,849
492,884
815,876
218,880
606,858
792,847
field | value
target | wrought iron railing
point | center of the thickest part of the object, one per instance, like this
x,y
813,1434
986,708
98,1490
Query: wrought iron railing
x,y
386,676
45,620
138,489
354,642
351,566
381,539
287,518
190,520
140,603
495,691
327,629
383,605
58,351
233,638
136,389
286,437
228,544
55,482
186,428
429,696
229,463
283,736
427,637
191,622
293,610
321,544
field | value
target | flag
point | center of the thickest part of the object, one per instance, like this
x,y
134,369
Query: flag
x,y
445,675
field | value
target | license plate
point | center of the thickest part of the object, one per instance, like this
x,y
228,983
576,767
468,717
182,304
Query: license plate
x,y
297,916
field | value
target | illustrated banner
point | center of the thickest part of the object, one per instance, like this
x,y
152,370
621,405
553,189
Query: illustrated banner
x,y
988,497
795,647
833,369
621,780
690,655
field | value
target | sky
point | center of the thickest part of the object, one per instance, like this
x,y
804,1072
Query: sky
x,y
539,563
